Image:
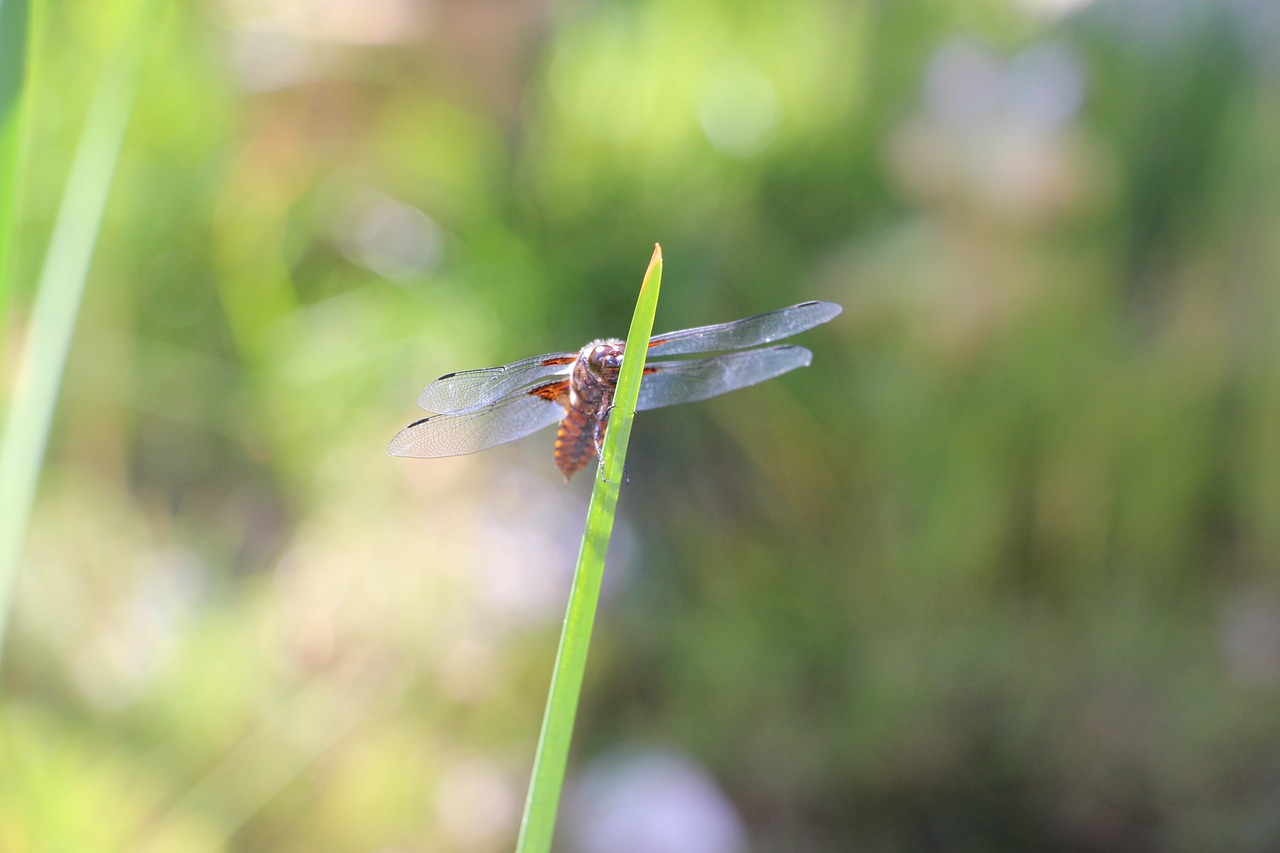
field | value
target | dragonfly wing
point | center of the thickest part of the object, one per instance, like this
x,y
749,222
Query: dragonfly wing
x,y
474,389
749,332
685,381
459,433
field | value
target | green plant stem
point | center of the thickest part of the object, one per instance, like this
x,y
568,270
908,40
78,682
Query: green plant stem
x,y
14,30
538,826
58,295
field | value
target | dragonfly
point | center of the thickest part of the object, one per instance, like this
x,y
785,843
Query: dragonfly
x,y
474,410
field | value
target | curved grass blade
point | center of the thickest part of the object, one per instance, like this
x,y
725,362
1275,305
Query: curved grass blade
x,y
58,294
540,808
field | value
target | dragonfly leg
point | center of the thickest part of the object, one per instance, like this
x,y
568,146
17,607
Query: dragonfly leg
x,y
597,434
602,424
626,475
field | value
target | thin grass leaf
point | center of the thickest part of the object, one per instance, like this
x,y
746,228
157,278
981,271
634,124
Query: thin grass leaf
x,y
14,30
539,822
58,294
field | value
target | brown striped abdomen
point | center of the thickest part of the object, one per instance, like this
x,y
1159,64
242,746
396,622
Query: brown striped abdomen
x,y
575,442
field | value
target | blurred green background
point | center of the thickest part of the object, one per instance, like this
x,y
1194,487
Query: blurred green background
x,y
999,571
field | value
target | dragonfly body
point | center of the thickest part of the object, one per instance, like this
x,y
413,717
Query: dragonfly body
x,y
477,409
591,385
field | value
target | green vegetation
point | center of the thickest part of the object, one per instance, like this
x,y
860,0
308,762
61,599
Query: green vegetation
x,y
996,571
58,294
14,27
539,821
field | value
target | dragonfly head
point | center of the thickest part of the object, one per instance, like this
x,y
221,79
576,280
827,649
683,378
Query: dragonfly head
x,y
605,360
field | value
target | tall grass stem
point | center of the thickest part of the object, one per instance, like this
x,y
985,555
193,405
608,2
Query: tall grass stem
x,y
538,825
15,32
58,294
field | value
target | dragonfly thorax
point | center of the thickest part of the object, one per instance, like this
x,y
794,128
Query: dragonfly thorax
x,y
595,373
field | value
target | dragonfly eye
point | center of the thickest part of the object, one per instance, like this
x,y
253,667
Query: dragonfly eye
x,y
604,361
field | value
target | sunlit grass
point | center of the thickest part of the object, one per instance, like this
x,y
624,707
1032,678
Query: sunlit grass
x,y
538,826
14,34
60,287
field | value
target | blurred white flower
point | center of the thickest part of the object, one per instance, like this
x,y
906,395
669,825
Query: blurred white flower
x,y
392,238
998,135
650,801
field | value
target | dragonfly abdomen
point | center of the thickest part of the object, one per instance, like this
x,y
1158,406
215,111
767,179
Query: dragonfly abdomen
x,y
575,441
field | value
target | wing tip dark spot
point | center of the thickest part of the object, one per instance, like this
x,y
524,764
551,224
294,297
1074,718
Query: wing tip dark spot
x,y
401,439
806,354
830,309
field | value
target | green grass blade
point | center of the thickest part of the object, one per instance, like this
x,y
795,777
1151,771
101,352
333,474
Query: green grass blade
x,y
58,294
14,31
571,659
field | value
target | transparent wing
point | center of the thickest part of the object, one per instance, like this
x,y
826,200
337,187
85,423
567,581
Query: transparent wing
x,y
740,334
472,389
685,381
459,433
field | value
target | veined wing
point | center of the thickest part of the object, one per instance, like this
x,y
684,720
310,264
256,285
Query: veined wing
x,y
459,433
749,332
672,382
473,389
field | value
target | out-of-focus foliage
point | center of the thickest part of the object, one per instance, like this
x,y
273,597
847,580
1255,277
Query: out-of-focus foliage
x,y
998,570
